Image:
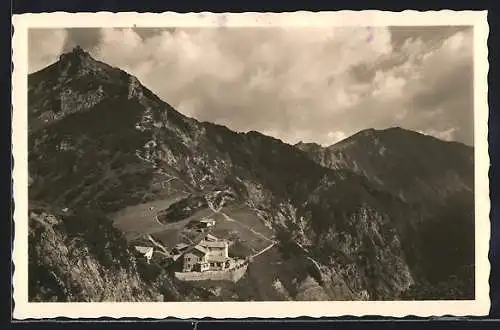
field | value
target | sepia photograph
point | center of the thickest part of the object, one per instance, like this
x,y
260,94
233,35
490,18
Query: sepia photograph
x,y
214,159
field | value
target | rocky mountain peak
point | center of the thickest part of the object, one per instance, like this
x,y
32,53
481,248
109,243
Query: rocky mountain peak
x,y
78,62
78,51
373,137
102,142
369,132
308,146
76,56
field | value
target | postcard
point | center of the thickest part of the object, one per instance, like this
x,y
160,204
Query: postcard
x,y
240,165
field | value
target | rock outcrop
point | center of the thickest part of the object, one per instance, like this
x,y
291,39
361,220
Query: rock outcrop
x,y
353,221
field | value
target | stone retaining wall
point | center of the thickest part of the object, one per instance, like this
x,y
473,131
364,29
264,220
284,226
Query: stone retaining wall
x,y
234,274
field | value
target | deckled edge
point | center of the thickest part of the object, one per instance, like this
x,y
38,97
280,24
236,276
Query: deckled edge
x,y
21,22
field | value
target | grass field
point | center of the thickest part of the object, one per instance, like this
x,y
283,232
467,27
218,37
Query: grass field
x,y
139,219
171,234
247,234
247,216
243,231
235,231
236,223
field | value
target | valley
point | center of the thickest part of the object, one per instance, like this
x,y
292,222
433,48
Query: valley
x,y
359,220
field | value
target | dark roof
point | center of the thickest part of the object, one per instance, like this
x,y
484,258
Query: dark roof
x,y
210,237
181,246
144,249
196,249
211,244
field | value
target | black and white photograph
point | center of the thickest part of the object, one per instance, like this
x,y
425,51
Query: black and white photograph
x,y
223,159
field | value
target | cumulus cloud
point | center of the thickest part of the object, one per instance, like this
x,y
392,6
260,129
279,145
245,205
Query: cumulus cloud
x,y
442,89
310,84
446,135
44,47
87,38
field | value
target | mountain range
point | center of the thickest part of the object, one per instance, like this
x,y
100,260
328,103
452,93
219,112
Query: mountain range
x,y
382,215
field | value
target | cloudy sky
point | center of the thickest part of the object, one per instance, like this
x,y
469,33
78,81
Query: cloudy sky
x,y
312,85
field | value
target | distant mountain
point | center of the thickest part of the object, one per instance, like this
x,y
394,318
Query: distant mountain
x,y
434,176
414,166
363,219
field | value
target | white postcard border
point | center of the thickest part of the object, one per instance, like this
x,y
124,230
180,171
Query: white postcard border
x,y
24,309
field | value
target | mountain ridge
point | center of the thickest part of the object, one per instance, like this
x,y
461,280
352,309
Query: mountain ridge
x,y
373,132
115,143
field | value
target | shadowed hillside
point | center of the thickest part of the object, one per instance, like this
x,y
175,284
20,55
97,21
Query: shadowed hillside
x,y
364,219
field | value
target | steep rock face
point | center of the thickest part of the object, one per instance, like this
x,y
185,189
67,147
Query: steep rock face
x,y
64,87
98,152
68,262
340,234
434,179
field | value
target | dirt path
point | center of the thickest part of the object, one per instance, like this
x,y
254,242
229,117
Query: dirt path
x,y
315,262
165,251
228,218
263,250
161,172
163,183
157,220
273,242
213,209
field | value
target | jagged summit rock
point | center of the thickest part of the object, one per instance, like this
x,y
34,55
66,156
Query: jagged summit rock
x,y
77,82
77,59
375,133
308,146
77,51
302,143
106,143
